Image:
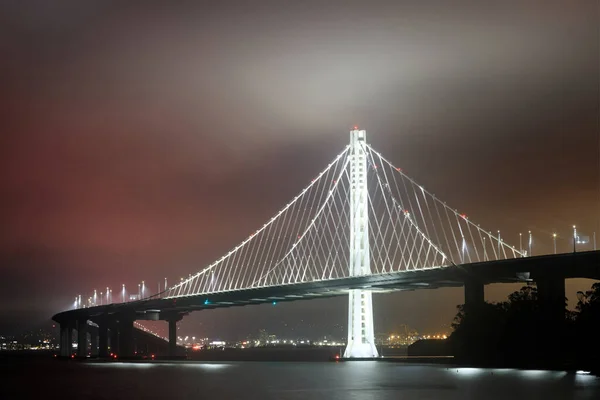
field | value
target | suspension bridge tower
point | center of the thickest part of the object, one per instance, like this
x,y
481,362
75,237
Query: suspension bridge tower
x,y
361,336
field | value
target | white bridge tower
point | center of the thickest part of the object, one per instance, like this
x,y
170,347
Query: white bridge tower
x,y
361,336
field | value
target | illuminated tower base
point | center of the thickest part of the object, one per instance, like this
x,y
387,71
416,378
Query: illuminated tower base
x,y
361,337
361,343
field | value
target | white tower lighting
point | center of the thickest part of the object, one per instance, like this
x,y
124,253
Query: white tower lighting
x,y
361,337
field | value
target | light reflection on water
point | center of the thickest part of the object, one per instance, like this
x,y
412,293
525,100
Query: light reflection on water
x,y
297,380
154,364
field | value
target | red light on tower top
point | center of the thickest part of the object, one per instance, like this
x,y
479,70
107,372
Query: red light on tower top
x,y
355,127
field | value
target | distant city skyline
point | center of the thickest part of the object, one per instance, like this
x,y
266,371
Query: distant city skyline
x,y
47,338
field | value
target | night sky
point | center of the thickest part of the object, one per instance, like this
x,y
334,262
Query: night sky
x,y
142,141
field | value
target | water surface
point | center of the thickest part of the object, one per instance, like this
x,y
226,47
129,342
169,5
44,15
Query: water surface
x,y
46,379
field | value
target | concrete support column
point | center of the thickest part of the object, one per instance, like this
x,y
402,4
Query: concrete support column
x,y
551,295
82,330
173,337
474,293
551,298
114,338
103,339
126,345
94,342
66,339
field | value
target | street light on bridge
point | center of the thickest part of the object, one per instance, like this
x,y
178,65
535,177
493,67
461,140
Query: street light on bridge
x,y
484,250
123,294
499,242
554,240
521,242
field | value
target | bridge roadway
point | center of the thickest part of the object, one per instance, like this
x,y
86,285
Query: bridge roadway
x,y
547,271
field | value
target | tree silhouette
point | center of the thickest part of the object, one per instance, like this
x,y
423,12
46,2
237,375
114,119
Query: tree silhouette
x,y
587,344
511,333
477,332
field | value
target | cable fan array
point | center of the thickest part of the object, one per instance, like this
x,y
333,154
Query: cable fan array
x,y
308,240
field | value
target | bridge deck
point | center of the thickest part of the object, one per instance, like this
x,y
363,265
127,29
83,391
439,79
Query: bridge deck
x,y
570,265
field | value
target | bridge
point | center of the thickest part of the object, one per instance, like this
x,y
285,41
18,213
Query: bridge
x,y
361,226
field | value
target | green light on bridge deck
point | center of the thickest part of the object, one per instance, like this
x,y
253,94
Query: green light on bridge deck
x,y
206,302
274,303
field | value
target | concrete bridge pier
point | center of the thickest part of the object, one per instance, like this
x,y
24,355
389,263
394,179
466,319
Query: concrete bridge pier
x,y
172,320
126,343
474,293
82,345
94,342
551,297
173,336
114,337
66,338
103,339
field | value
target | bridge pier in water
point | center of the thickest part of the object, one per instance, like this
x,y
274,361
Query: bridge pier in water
x,y
551,296
114,337
126,343
94,342
552,321
474,293
66,338
172,337
82,343
103,338
172,320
